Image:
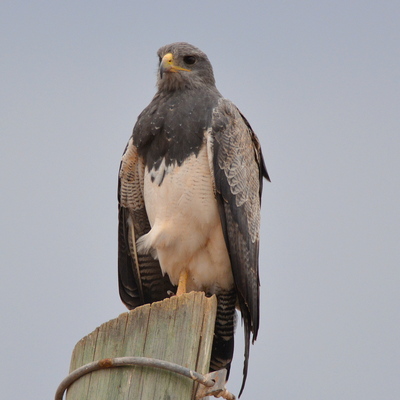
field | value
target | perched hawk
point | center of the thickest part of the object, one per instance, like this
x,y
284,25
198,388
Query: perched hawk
x,y
189,195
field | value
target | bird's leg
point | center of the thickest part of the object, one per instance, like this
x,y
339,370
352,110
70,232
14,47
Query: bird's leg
x,y
183,277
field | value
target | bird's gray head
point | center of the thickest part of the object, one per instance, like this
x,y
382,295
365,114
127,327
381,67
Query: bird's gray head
x,y
183,66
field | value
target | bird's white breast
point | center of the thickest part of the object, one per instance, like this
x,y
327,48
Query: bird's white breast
x,y
186,228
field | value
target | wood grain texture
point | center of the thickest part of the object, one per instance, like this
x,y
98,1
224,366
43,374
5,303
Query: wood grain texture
x,y
178,329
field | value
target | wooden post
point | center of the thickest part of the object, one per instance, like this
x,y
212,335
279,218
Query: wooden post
x,y
179,330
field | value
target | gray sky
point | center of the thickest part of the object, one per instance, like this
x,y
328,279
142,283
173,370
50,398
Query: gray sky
x,y
319,82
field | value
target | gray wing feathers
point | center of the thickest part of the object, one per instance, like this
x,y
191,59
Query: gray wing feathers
x,y
237,158
238,169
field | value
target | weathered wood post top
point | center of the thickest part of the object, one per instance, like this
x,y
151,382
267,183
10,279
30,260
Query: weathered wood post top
x,y
179,330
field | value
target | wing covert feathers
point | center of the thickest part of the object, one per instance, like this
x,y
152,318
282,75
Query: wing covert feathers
x,y
238,170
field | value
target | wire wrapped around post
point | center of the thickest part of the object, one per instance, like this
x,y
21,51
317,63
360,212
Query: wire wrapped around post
x,y
213,383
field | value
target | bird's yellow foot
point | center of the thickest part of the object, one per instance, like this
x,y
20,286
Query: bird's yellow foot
x,y
183,277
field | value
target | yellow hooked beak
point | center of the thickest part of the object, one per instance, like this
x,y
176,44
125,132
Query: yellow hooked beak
x,y
167,65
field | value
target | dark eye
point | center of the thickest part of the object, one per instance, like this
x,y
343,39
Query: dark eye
x,y
189,60
159,60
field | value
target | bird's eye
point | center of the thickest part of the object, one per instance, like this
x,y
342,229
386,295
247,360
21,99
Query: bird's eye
x,y
189,60
159,60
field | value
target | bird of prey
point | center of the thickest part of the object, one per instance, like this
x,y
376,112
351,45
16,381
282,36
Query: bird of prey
x,y
189,194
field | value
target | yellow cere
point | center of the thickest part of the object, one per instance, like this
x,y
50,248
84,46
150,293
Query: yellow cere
x,y
167,63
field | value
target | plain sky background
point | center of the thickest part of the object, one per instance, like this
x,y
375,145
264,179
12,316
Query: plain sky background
x,y
320,83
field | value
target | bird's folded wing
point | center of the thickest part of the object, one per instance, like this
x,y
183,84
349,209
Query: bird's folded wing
x,y
237,166
139,275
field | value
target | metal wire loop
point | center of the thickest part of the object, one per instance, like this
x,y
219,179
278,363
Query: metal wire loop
x,y
206,380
